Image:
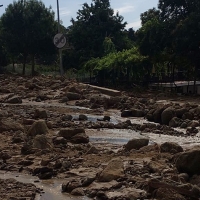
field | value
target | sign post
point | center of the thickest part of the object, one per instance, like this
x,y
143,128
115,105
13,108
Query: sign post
x,y
59,40
60,50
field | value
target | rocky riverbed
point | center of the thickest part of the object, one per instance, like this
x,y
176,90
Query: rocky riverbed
x,y
98,144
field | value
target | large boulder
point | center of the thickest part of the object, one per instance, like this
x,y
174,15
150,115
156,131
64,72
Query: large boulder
x,y
126,113
180,112
175,122
73,96
80,138
170,147
68,133
188,115
113,171
137,113
157,114
167,115
188,162
41,142
38,128
136,143
149,115
40,113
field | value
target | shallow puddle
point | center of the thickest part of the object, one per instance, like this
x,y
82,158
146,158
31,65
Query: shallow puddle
x,y
51,188
122,136
114,136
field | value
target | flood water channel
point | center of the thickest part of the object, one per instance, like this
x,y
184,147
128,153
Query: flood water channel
x,y
52,188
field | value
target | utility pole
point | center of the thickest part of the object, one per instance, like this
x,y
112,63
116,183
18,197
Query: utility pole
x,y
60,50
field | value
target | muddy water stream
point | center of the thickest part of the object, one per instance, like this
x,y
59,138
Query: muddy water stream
x,y
51,188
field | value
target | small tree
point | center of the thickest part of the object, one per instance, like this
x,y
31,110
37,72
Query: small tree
x,y
28,29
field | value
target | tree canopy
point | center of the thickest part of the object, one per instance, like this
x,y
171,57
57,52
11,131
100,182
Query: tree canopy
x,y
28,28
167,41
93,24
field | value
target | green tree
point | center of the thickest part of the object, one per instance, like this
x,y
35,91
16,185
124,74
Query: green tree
x,y
3,55
151,39
93,24
182,19
28,29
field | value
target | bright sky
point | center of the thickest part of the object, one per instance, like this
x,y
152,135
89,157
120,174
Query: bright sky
x,y
129,9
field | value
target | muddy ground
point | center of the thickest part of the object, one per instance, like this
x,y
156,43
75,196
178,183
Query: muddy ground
x,y
101,144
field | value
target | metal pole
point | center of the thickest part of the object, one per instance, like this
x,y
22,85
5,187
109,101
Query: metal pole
x,y
60,50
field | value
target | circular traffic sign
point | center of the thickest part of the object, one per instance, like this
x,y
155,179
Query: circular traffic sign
x,y
59,40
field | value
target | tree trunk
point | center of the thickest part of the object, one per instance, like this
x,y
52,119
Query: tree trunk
x,y
24,64
13,63
195,78
33,64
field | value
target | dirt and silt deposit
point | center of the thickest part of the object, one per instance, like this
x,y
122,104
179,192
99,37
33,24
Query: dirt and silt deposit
x,y
60,139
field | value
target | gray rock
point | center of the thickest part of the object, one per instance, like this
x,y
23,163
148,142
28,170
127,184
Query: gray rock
x,y
171,147
126,113
41,142
78,192
38,128
188,115
180,112
70,185
14,100
188,162
157,114
106,118
59,140
79,138
136,143
68,133
113,171
167,115
40,113
67,117
137,113
175,122
83,117
73,96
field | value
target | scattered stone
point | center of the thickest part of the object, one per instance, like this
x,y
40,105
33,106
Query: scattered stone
x,y
40,114
79,138
78,192
41,142
188,162
170,147
136,143
38,128
70,186
73,96
167,115
113,171
106,118
68,133
14,100
83,117
67,117
59,140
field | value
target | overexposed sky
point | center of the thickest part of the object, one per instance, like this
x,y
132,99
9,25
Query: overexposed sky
x,y
129,9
